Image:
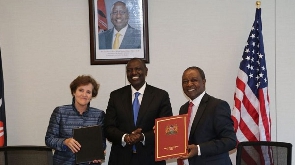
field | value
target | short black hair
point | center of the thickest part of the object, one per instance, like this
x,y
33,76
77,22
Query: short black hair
x,y
198,69
137,59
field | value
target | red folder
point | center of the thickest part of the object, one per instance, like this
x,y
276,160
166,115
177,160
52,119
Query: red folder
x,y
170,137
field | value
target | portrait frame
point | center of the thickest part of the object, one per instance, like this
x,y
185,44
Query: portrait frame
x,y
138,19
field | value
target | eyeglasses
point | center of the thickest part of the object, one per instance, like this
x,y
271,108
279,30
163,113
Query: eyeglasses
x,y
121,12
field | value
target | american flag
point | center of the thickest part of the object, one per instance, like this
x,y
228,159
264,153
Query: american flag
x,y
251,114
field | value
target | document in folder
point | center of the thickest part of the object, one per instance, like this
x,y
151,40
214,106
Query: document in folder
x,y
90,139
170,137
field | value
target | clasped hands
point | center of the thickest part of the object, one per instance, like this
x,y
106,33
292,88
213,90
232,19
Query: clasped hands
x,y
134,137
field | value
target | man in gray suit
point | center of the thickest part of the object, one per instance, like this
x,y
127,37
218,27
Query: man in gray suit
x,y
122,35
211,130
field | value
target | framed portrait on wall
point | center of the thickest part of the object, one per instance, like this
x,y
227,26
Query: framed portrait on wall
x,y
118,31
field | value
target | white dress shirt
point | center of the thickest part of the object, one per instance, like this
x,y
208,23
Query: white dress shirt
x,y
195,107
122,33
133,91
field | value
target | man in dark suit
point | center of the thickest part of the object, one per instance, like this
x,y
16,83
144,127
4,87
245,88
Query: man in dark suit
x,y
211,131
122,35
133,142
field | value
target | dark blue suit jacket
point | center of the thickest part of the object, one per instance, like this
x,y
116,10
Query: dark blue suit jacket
x,y
213,131
131,40
119,120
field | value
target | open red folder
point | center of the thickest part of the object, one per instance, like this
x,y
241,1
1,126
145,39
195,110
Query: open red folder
x,y
170,137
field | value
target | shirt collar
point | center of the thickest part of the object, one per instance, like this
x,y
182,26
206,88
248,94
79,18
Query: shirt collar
x,y
197,100
141,90
122,31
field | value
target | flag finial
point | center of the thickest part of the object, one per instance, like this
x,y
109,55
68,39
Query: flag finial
x,y
258,3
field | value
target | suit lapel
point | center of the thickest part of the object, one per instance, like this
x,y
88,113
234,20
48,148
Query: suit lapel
x,y
199,113
127,40
145,102
109,39
184,109
127,104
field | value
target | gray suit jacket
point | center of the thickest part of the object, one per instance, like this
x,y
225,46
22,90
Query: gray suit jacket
x,y
119,120
213,131
131,40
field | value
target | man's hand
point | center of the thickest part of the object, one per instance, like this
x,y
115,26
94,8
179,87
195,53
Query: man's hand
x,y
137,131
127,139
134,137
192,151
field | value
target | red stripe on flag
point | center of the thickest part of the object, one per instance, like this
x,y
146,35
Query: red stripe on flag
x,y
264,115
247,104
2,138
240,84
250,109
247,158
246,131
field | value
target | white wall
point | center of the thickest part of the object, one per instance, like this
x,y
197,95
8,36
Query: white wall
x,y
284,66
45,45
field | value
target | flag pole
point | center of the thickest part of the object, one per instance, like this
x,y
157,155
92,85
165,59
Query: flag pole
x,y
258,3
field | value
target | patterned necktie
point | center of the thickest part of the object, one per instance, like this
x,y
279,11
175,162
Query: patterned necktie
x,y
189,113
136,106
116,42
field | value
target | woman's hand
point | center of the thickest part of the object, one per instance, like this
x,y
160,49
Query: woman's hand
x,y
98,161
72,144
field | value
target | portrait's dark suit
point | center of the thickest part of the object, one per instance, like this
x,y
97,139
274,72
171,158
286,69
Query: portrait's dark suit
x,y
119,120
131,40
213,131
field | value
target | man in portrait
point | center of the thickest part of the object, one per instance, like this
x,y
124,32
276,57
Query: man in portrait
x,y
122,35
